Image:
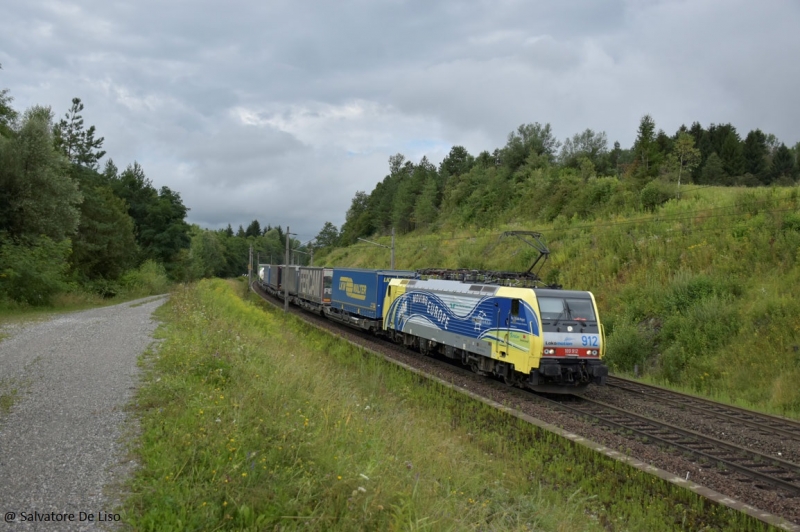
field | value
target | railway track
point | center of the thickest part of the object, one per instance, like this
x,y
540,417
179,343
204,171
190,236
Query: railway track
x,y
766,471
764,423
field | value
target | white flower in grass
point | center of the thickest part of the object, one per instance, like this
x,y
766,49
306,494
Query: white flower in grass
x,y
362,475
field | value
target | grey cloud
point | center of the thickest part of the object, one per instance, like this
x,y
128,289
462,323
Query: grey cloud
x,y
161,79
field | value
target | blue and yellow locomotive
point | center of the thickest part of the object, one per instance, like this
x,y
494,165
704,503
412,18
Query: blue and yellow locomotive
x,y
543,339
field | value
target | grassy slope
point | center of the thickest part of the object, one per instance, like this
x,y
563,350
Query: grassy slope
x,y
702,294
251,421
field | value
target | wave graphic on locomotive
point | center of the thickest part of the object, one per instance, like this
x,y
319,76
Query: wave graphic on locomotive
x,y
548,340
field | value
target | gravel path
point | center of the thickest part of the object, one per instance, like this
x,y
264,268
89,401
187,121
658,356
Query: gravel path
x,y
60,445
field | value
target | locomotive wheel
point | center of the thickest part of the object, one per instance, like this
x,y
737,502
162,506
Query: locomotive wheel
x,y
474,367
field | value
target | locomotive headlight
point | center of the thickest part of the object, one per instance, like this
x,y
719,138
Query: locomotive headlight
x,y
549,351
593,352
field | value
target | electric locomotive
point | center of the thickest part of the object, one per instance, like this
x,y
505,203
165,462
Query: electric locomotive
x,y
544,339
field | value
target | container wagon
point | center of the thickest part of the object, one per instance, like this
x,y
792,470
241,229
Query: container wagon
x,y
357,295
314,288
291,279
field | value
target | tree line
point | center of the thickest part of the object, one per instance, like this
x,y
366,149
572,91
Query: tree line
x,y
537,177
66,224
224,253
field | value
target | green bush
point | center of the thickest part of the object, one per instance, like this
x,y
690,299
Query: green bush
x,y
103,287
687,289
148,279
627,346
656,193
32,271
699,331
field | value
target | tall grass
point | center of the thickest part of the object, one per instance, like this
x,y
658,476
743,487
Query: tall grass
x,y
251,421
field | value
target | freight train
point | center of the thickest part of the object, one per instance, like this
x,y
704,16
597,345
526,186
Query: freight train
x,y
545,339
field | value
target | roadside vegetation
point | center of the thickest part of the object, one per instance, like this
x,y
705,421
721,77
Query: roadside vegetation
x,y
251,421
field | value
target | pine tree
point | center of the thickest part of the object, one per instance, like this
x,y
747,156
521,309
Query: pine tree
x,y
754,153
254,229
731,154
713,172
784,166
646,148
77,144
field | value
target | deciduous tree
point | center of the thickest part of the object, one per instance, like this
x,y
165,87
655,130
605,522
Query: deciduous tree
x,y
588,144
37,195
685,157
527,139
104,246
328,236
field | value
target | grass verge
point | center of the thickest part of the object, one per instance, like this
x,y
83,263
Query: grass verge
x,y
252,421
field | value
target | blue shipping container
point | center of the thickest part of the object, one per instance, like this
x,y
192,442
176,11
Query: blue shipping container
x,y
361,292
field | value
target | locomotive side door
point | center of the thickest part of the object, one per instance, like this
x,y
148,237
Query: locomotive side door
x,y
504,317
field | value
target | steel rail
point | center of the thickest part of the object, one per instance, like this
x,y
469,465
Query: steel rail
x,y
702,444
777,425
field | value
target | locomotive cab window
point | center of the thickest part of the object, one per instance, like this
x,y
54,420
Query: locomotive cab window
x,y
581,309
572,309
515,307
551,308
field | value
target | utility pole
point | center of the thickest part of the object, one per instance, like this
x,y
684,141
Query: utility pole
x,y
383,246
285,270
250,267
392,262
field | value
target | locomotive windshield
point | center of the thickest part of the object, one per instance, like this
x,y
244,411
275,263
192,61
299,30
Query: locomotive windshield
x,y
566,309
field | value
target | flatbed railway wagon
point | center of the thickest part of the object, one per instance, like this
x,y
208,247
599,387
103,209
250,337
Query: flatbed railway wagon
x,y
357,295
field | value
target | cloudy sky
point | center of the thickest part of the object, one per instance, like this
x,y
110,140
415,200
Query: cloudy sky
x,y
281,110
